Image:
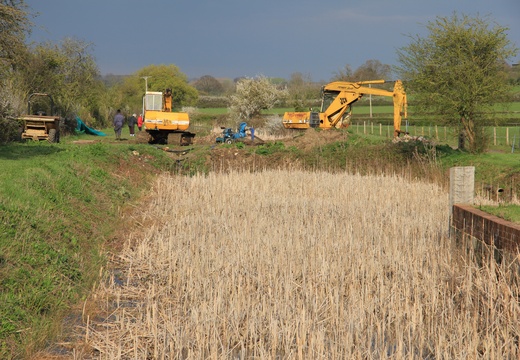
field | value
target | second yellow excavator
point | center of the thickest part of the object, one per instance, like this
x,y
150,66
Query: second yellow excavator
x,y
336,101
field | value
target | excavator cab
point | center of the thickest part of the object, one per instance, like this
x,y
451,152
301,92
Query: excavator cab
x,y
327,97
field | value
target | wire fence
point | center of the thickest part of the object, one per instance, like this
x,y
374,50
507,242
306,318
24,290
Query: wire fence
x,y
499,135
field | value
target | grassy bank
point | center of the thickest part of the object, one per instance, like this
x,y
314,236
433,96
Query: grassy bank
x,y
59,204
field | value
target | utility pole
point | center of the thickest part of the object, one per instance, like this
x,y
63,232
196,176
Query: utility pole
x,y
145,82
370,100
145,91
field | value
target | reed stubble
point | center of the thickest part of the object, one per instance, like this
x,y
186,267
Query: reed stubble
x,y
301,265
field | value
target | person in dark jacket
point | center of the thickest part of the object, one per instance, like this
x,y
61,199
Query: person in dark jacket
x,y
132,121
119,120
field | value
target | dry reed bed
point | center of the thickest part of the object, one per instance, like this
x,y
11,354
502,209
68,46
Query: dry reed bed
x,y
301,265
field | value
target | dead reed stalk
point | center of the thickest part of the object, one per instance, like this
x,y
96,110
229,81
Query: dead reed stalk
x,y
302,265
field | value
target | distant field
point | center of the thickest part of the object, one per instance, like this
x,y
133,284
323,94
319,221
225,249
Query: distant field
x,y
512,110
212,111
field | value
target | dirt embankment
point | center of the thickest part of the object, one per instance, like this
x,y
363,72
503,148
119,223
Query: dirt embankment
x,y
222,158
225,157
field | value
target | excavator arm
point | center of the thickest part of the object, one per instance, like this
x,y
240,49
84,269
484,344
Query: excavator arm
x,y
337,99
400,106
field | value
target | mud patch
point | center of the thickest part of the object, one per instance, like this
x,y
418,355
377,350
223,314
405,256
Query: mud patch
x,y
308,139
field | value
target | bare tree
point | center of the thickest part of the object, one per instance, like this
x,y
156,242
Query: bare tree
x,y
207,84
344,74
372,70
302,91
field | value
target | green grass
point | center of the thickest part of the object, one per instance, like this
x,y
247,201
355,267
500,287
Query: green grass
x,y
59,204
515,106
496,169
508,212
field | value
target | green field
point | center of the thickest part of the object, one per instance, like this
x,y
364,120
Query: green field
x,y
509,109
213,111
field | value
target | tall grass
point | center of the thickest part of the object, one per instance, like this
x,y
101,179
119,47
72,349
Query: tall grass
x,y
300,265
58,207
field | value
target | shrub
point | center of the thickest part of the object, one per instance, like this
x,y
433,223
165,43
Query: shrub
x,y
11,130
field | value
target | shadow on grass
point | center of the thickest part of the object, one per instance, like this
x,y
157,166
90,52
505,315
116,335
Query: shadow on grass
x,y
18,151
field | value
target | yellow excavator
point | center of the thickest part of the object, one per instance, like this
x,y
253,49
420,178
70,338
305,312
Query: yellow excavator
x,y
336,105
162,124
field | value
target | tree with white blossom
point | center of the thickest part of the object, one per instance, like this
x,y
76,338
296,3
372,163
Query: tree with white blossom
x,y
254,95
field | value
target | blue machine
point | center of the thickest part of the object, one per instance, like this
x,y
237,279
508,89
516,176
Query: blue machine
x,y
229,136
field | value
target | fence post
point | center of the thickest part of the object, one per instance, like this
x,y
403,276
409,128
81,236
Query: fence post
x,y
495,136
507,136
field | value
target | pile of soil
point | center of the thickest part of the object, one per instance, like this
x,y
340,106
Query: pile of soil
x,y
307,139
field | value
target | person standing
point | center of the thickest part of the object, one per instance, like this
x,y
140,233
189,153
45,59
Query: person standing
x,y
140,122
119,120
132,121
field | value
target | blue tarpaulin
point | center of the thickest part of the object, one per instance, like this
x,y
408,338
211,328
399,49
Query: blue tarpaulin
x,y
81,128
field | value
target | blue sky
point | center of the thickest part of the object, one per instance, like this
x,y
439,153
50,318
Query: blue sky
x,y
232,38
